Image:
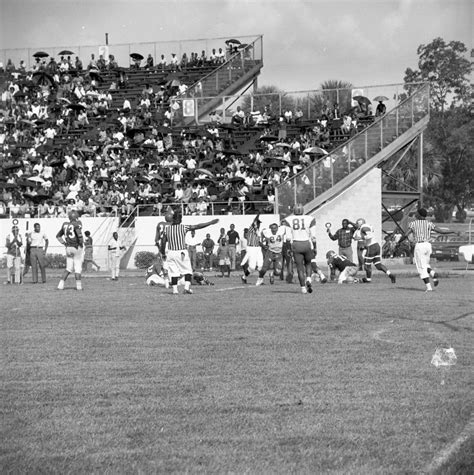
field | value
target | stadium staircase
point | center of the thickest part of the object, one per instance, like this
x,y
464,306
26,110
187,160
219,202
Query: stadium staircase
x,y
373,147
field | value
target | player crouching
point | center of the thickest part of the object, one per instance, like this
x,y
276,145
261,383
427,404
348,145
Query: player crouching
x,y
346,268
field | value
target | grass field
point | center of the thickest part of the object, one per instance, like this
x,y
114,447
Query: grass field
x,y
122,378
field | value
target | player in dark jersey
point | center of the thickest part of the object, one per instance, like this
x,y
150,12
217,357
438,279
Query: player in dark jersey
x,y
346,268
70,235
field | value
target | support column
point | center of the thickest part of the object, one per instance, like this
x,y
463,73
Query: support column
x,y
420,167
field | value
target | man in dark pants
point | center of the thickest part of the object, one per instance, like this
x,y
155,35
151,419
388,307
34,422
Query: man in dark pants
x,y
343,236
38,243
232,241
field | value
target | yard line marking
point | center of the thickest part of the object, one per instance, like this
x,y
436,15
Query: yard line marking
x,y
446,454
231,288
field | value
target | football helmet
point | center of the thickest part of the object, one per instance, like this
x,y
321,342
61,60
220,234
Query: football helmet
x,y
169,215
298,209
330,254
73,215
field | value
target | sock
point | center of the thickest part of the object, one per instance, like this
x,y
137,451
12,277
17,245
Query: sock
x,y
61,284
187,285
175,289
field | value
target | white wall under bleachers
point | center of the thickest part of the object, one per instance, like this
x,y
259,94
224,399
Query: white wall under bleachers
x,y
361,200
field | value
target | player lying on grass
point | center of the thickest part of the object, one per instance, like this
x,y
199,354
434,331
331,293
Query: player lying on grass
x,y
346,269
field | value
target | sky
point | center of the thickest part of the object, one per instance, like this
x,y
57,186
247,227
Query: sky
x,y
305,42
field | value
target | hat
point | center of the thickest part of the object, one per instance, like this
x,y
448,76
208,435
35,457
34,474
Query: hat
x,y
422,212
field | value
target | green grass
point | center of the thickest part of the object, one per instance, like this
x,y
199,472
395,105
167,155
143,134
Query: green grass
x,y
122,378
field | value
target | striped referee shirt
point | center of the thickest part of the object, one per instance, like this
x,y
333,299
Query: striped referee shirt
x,y
176,236
421,229
253,238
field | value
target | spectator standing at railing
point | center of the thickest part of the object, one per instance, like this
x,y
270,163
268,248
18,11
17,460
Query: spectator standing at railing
x,y
208,248
381,109
233,240
192,242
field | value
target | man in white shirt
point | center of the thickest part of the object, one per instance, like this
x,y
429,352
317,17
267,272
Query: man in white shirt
x,y
191,243
38,245
115,248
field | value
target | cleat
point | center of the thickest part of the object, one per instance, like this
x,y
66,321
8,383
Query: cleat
x,y
259,282
324,280
435,280
272,279
365,280
303,290
428,290
188,291
309,287
243,279
393,278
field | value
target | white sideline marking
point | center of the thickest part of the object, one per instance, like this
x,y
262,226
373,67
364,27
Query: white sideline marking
x,y
451,450
232,288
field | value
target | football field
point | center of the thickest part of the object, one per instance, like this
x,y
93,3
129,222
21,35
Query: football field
x,y
122,378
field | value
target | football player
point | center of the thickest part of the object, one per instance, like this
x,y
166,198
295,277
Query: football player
x,y
272,240
70,235
372,252
302,231
346,268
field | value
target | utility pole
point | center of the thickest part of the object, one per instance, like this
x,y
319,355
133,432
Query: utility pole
x,y
106,39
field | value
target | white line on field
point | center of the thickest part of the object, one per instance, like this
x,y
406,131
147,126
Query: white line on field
x,y
446,454
232,288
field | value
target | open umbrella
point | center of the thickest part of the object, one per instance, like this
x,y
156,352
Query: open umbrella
x,y
362,99
36,179
232,41
268,138
274,164
40,54
236,179
76,107
65,52
203,171
282,144
380,98
315,151
42,78
136,56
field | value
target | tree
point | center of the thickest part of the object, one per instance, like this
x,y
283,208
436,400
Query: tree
x,y
449,152
445,67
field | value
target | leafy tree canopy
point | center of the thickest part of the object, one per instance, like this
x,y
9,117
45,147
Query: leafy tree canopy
x,y
445,66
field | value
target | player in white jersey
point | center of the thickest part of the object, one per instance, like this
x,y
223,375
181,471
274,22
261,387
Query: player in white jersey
x,y
301,228
272,239
372,251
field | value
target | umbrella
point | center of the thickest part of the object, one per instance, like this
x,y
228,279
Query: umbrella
x,y
65,52
380,98
19,95
136,56
236,179
40,54
42,78
141,179
36,179
315,150
232,41
268,138
203,171
85,149
131,132
95,74
274,164
282,144
56,163
362,99
77,107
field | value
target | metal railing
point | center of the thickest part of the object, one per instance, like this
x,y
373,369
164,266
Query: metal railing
x,y
122,51
332,168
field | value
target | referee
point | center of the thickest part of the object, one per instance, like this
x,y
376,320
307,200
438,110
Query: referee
x,y
421,230
173,249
